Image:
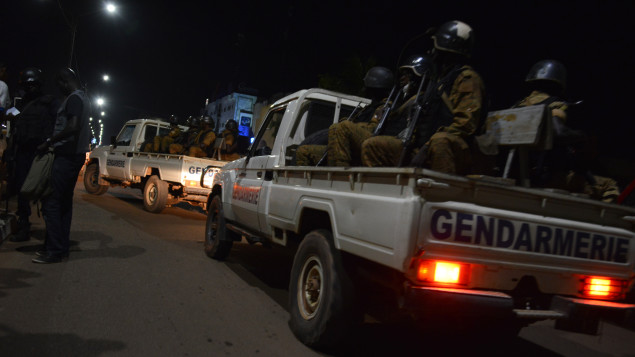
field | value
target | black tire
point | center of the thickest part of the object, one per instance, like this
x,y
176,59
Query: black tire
x,y
218,240
320,293
155,194
91,180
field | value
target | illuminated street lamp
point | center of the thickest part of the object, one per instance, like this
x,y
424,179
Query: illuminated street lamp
x,y
106,78
110,8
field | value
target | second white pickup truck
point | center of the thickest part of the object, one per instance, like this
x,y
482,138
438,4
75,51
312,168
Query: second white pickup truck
x,y
165,179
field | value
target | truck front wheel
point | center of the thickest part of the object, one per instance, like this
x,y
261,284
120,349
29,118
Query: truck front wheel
x,y
218,242
91,180
320,293
155,194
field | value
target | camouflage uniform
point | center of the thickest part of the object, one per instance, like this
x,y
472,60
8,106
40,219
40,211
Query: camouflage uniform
x,y
385,150
162,143
309,155
564,176
204,140
344,142
448,149
227,152
181,144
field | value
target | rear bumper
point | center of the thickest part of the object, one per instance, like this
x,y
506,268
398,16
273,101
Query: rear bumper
x,y
571,314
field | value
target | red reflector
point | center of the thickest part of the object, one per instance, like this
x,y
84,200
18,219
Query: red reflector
x,y
603,288
443,272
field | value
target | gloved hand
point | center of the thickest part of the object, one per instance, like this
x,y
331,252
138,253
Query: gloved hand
x,y
43,147
419,159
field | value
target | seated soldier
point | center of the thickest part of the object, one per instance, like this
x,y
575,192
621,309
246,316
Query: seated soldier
x,y
183,142
377,83
229,149
562,167
162,143
384,148
204,141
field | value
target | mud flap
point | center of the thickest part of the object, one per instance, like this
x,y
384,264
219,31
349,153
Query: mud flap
x,y
583,316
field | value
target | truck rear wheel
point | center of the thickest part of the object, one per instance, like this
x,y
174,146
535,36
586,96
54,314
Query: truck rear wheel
x,y
320,293
155,194
91,180
218,241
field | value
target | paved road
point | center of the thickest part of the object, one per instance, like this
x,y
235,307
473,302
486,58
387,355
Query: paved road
x,y
138,284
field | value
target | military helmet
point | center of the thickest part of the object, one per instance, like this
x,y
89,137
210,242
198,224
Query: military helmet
x,y
454,36
31,75
548,70
206,119
194,121
419,64
379,77
231,125
173,120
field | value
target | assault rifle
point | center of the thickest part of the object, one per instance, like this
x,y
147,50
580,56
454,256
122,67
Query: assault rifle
x,y
415,113
390,103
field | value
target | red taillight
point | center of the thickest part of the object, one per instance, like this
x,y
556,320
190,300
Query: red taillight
x,y
442,272
603,288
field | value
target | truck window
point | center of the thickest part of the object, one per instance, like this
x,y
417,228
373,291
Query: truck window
x,y
125,136
267,134
150,132
320,117
164,130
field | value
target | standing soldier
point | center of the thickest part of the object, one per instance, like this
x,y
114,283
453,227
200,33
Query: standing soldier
x,y
31,128
204,141
352,131
454,107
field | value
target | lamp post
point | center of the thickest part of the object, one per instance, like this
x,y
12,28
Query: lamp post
x,y
110,8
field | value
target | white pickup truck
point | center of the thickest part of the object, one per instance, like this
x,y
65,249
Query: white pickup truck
x,y
165,179
445,245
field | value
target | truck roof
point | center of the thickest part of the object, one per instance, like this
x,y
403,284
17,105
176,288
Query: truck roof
x,y
323,94
143,120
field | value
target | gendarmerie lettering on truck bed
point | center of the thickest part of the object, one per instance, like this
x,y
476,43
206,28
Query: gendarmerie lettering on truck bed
x,y
528,233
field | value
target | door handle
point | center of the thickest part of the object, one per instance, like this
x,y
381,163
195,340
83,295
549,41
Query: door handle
x,y
259,174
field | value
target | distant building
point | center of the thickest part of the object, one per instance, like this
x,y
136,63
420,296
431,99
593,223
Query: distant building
x,y
237,106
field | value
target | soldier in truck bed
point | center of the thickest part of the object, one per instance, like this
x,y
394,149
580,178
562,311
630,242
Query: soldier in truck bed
x,y
204,141
562,167
342,136
455,108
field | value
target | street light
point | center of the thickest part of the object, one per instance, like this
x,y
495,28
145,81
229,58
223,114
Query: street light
x,y
106,78
110,8
100,101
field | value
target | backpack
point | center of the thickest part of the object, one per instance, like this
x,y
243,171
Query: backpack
x,y
37,184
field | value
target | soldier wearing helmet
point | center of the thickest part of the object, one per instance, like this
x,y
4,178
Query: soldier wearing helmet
x,y
229,148
203,143
344,139
183,142
453,112
561,167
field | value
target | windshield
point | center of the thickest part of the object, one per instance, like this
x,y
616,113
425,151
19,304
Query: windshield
x,y
125,136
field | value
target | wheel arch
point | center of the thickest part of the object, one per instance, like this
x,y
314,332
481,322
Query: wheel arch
x,y
317,214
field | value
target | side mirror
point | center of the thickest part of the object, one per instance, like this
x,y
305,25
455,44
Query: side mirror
x,y
113,141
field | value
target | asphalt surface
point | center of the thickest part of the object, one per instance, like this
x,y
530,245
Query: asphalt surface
x,y
139,284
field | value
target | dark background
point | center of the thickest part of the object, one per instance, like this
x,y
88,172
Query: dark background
x,y
168,57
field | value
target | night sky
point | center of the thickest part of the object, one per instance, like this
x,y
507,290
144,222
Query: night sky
x,y
167,57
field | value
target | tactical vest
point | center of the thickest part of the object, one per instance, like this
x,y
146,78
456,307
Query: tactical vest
x,y
35,123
